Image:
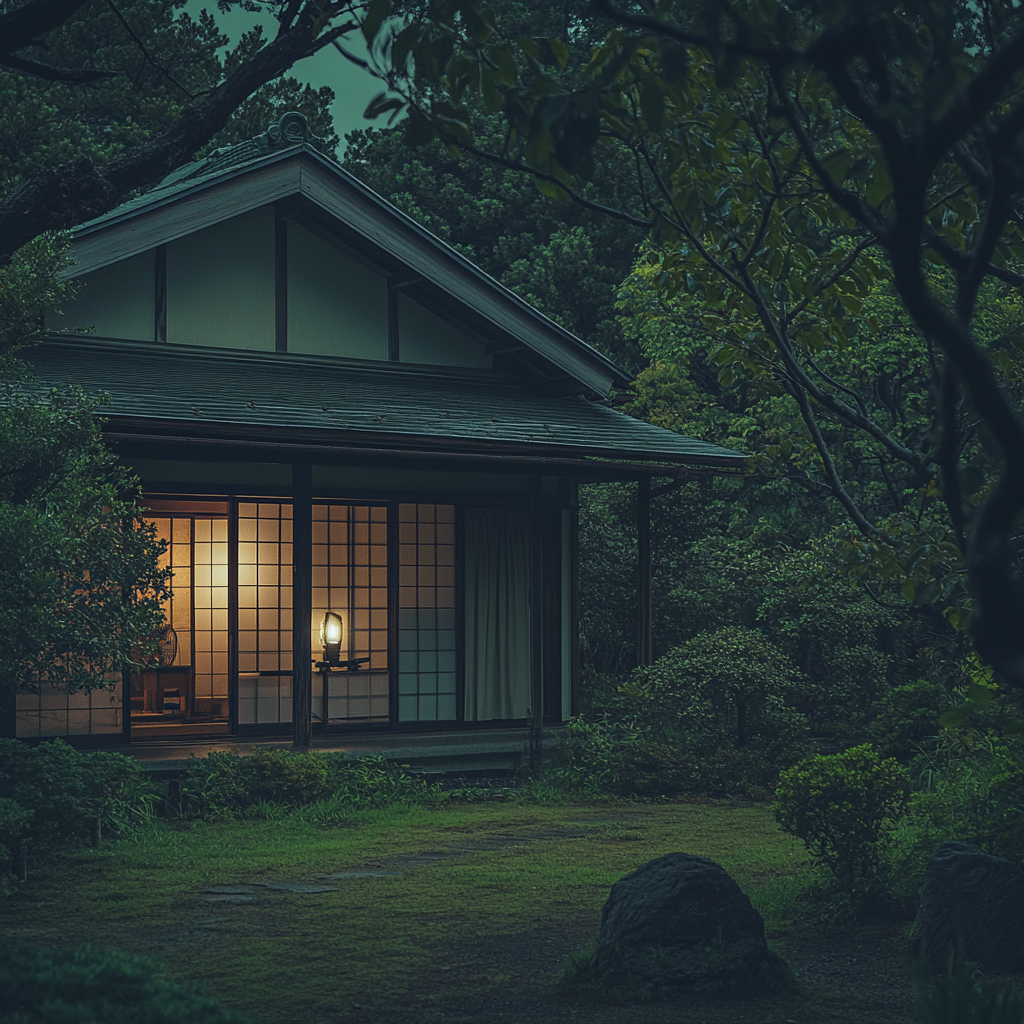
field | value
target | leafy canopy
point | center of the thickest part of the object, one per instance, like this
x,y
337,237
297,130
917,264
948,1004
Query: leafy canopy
x,y
798,164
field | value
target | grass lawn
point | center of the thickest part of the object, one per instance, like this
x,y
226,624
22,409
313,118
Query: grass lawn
x,y
475,932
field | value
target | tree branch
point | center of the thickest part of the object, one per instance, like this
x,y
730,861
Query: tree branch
x,y
835,484
149,57
73,76
22,26
60,197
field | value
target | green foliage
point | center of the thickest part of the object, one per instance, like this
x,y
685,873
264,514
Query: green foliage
x,y
325,786
92,985
730,701
779,293
80,582
743,553
844,807
54,796
28,285
48,123
619,756
961,996
907,716
970,792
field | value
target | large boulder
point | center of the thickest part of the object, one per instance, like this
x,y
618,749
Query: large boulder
x,y
974,903
679,922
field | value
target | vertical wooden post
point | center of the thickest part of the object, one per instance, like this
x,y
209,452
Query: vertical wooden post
x,y
302,606
8,713
643,551
576,653
536,627
232,613
160,295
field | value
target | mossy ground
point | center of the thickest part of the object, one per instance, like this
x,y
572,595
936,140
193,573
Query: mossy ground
x,y
479,936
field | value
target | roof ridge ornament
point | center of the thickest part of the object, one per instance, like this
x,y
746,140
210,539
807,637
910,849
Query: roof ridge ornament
x,y
291,130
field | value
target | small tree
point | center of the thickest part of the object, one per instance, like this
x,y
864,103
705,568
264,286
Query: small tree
x,y
729,699
80,579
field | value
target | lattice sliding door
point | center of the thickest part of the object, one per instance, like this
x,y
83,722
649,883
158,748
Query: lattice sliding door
x,y
350,577
427,675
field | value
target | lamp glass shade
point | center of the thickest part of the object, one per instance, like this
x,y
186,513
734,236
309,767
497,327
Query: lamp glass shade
x,y
332,635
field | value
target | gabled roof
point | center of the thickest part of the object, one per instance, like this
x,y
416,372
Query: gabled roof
x,y
284,166
243,394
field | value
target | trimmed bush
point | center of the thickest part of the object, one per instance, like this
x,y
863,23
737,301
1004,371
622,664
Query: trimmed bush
x,y
226,783
54,796
908,715
623,758
844,806
90,985
727,702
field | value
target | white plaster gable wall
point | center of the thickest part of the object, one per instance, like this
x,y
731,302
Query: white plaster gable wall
x,y
220,284
221,294
336,306
114,301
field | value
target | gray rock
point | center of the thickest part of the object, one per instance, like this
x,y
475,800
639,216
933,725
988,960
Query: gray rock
x,y
679,922
973,902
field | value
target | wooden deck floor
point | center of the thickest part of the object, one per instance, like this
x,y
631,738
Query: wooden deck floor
x,y
491,750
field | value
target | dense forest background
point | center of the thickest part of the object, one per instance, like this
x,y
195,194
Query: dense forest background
x,y
764,553
821,600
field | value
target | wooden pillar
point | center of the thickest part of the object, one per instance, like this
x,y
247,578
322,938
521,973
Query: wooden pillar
x,y
160,294
576,653
8,713
643,550
302,606
536,627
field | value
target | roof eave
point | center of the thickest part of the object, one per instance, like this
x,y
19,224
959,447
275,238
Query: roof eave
x,y
347,440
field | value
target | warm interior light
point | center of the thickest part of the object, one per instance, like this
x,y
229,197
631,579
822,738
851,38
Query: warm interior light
x,y
332,636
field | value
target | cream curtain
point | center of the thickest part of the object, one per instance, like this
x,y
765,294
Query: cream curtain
x,y
497,614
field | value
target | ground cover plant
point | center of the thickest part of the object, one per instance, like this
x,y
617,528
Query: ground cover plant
x,y
448,912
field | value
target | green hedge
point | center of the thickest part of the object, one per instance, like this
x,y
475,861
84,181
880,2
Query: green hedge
x,y
226,783
90,985
55,796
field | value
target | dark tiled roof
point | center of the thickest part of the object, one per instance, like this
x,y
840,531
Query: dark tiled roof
x,y
291,132
395,405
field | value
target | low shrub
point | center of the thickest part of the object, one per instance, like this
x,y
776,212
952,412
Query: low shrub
x,y
726,705
89,985
967,788
224,783
619,758
960,996
54,796
844,807
907,716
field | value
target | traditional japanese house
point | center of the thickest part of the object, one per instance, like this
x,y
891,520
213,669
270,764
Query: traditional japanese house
x,y
333,411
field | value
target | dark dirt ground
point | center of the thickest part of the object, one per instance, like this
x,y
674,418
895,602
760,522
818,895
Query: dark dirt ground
x,y
843,976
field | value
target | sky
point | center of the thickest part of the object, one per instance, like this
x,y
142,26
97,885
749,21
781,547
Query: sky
x,y
353,87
